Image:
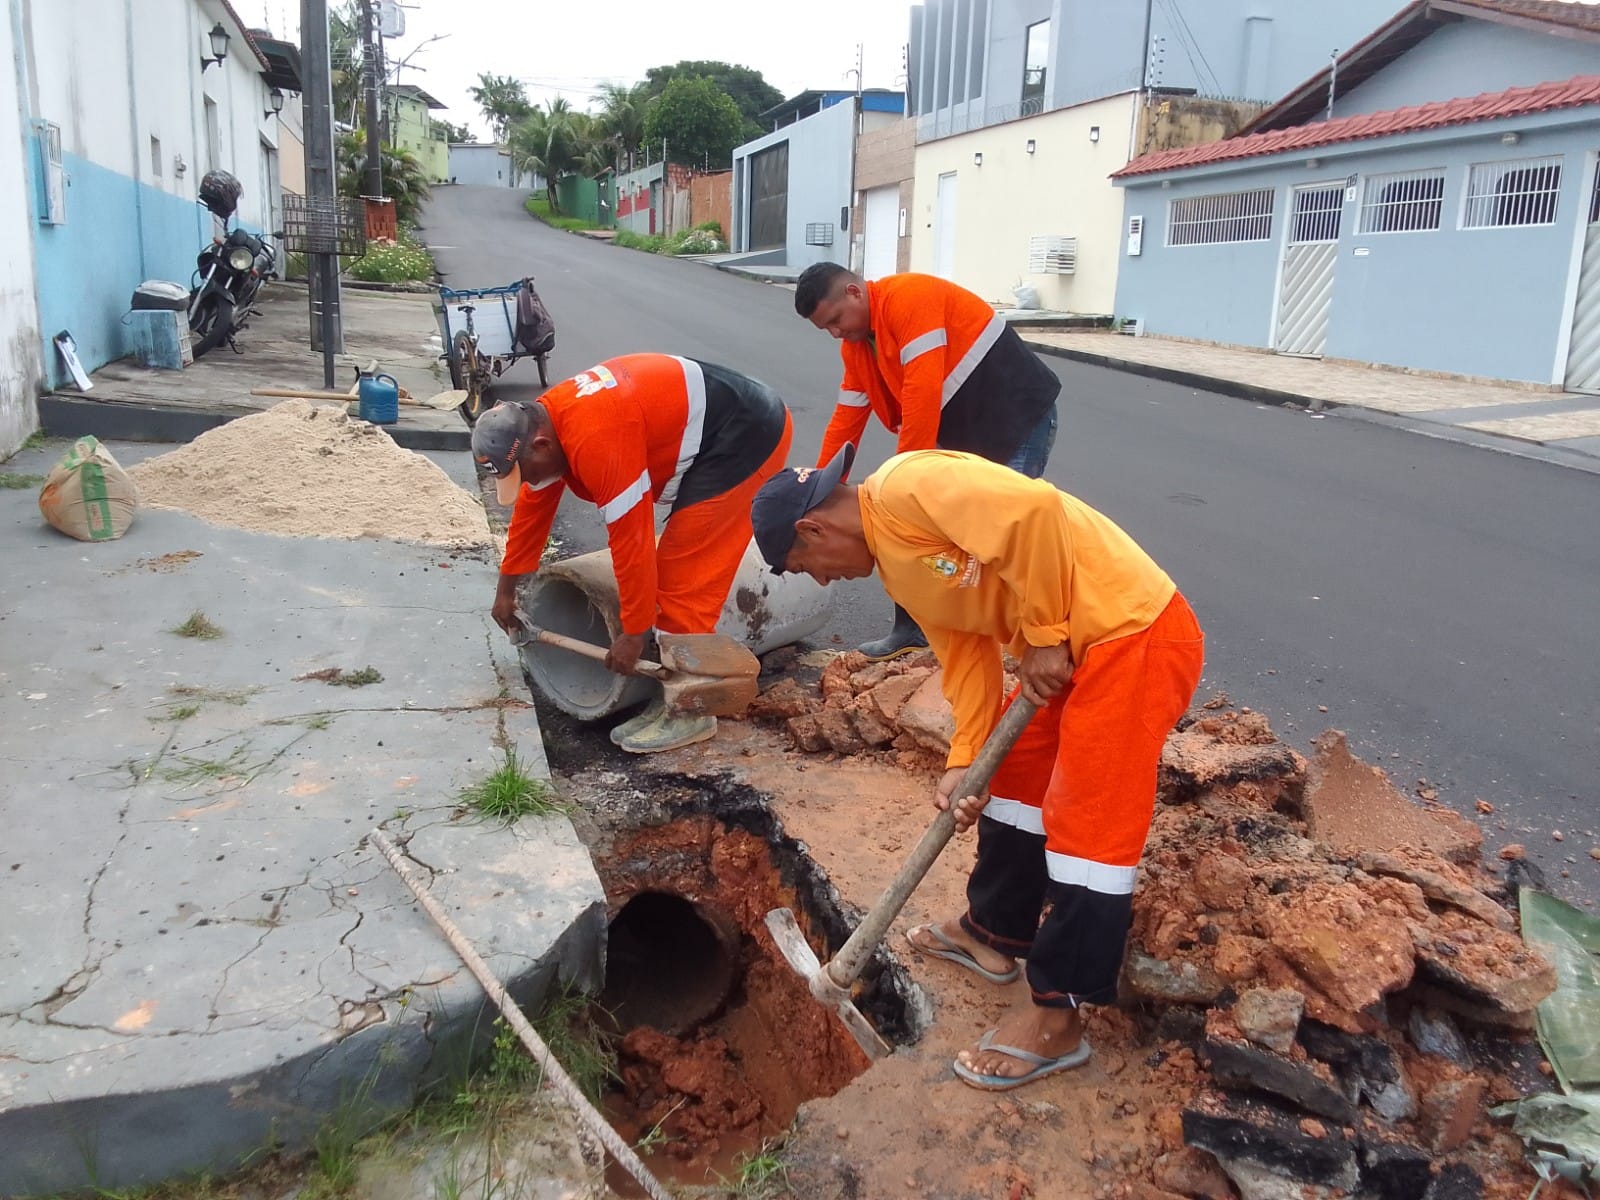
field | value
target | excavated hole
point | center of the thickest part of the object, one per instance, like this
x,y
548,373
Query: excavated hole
x,y
719,1040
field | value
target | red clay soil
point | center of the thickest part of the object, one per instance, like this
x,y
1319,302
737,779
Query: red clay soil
x,y
1230,884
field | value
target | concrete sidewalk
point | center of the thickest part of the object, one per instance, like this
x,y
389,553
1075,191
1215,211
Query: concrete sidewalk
x,y
1470,410
200,958
398,329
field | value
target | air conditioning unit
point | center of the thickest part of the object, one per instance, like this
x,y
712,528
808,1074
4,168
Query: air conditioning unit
x,y
1052,255
53,175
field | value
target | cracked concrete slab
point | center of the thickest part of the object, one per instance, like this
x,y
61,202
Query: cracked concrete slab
x,y
200,956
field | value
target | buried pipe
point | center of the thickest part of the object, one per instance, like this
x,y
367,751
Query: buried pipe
x,y
670,963
578,597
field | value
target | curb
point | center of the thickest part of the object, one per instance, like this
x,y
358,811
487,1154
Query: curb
x,y
73,417
1207,383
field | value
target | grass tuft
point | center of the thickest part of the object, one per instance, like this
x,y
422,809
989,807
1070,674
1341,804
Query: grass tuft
x,y
509,792
198,626
10,479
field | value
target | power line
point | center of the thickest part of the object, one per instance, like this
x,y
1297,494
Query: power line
x,y
1191,47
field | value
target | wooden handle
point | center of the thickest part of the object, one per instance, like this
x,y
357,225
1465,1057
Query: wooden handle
x,y
644,667
300,394
853,955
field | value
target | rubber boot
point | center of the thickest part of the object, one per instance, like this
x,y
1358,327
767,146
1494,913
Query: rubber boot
x,y
903,638
668,732
635,723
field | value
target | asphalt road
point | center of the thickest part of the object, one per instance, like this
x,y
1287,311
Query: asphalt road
x,y
1438,601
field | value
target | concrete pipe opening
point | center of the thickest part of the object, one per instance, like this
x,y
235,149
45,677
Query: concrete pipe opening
x,y
669,965
585,608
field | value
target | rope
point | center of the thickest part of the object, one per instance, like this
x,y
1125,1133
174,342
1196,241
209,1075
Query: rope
x,y
555,1077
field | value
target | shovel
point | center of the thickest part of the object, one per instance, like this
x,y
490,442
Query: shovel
x,y
831,984
701,674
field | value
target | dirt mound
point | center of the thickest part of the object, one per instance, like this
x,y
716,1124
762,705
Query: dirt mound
x,y
312,471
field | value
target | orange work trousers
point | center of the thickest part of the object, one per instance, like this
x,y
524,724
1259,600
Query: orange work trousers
x,y
1070,810
699,550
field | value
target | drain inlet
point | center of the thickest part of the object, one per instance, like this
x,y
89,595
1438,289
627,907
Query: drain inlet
x,y
669,964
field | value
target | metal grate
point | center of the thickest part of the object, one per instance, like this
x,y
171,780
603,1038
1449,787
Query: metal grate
x,y
1224,217
1135,235
1050,254
1521,191
1403,202
1316,214
819,233
318,225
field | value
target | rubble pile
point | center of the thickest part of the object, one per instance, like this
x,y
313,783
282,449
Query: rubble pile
x,y
1318,954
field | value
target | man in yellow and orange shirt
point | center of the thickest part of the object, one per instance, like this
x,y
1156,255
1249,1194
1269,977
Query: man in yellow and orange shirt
x,y
987,560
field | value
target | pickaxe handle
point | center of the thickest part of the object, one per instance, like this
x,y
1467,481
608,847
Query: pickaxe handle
x,y
853,955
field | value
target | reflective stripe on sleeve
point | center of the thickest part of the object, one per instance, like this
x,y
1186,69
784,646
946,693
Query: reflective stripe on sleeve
x,y
919,346
622,504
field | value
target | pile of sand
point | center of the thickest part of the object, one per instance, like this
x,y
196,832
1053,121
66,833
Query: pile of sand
x,y
312,471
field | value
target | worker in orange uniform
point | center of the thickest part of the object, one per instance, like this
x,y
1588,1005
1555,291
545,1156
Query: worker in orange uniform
x,y
689,436
940,370
986,560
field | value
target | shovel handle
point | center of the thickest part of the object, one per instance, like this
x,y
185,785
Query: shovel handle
x,y
644,667
853,955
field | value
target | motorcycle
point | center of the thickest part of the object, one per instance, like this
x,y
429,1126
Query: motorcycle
x,y
230,273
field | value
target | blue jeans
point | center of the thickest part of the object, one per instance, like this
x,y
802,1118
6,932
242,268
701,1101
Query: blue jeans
x,y
1034,452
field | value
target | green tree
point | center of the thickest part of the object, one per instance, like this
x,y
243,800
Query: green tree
x,y
550,143
344,58
700,123
404,179
503,101
455,133
751,93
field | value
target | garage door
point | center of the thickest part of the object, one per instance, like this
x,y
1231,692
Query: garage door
x,y
769,198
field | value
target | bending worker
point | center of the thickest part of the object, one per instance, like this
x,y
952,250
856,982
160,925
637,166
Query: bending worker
x,y
939,369
695,438
987,560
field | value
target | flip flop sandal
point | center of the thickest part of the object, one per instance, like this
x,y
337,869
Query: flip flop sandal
x,y
1041,1065
957,954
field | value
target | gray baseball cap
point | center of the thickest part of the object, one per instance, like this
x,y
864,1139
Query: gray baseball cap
x,y
497,441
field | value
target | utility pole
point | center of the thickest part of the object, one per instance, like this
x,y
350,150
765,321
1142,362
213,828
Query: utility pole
x,y
370,78
322,199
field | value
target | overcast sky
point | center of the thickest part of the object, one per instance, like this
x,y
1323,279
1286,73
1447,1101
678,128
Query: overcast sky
x,y
569,49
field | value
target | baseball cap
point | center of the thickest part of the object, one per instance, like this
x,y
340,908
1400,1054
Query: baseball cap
x,y
496,442
788,496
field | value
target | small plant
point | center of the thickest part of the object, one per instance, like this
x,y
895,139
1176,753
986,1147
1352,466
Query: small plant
x,y
34,440
392,262
339,677
205,770
509,792
319,722
563,1024
198,626
182,712
236,696
539,208
10,479
761,1176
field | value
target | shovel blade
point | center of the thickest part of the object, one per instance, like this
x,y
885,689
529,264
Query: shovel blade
x,y
712,675
792,944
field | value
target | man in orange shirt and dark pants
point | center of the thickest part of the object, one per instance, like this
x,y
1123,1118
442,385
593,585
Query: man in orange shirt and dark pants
x,y
939,369
690,436
985,559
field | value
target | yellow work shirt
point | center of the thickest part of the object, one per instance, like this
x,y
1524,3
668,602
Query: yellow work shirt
x,y
983,557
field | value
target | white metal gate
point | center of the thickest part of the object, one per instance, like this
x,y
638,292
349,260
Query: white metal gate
x,y
1310,250
881,212
1583,353
944,227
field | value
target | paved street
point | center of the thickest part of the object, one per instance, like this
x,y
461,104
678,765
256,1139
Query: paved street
x,y
1436,598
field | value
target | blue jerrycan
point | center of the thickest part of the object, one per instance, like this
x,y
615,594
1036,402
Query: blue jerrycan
x,y
379,399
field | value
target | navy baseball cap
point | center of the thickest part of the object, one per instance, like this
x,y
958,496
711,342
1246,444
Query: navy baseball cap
x,y
496,442
788,496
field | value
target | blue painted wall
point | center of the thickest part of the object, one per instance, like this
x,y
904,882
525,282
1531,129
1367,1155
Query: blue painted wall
x,y
1489,302
89,267
1467,59
821,159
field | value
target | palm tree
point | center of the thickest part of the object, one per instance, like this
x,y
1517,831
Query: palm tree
x,y
550,143
344,57
622,113
405,181
503,101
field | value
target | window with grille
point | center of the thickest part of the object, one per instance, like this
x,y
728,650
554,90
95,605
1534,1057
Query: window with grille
x,y
1225,217
1520,192
1403,202
1316,214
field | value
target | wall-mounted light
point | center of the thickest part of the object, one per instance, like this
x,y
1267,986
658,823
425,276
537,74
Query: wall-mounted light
x,y
219,47
178,165
1030,147
1510,139
977,158
1094,133
275,100
1313,163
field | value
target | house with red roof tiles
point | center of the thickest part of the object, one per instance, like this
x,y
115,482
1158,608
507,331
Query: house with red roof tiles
x,y
1429,200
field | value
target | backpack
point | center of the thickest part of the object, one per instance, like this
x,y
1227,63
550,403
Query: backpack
x,y
536,331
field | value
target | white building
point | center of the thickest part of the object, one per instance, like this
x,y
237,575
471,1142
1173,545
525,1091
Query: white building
x,y
122,109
